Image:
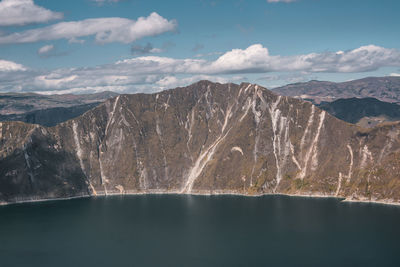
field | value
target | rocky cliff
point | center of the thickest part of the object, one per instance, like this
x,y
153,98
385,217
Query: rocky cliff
x,y
207,138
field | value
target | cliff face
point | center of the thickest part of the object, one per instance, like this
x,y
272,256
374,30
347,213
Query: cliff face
x,y
206,138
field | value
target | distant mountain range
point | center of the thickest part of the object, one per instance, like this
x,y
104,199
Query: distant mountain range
x,y
206,138
49,110
50,116
366,112
386,89
18,103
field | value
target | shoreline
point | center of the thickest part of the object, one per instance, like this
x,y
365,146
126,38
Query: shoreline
x,y
207,193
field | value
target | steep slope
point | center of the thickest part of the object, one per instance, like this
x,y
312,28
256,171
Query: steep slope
x,y
51,116
354,109
383,88
206,138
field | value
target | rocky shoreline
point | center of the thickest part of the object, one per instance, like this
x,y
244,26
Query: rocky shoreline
x,y
204,193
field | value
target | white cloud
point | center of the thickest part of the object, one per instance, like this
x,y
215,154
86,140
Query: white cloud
x,y
6,66
22,12
105,30
45,49
151,73
257,59
394,74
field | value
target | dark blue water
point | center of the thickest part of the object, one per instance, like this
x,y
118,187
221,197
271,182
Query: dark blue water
x,y
199,231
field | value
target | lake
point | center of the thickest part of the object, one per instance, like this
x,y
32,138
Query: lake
x,y
181,230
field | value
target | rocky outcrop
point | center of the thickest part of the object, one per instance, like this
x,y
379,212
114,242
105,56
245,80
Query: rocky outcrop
x,y
207,138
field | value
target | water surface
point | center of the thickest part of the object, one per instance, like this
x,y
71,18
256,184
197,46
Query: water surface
x,y
172,230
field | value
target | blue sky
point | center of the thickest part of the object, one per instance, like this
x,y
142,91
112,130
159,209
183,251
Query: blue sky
x,y
94,45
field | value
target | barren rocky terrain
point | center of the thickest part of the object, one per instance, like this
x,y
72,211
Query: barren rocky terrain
x,y
206,138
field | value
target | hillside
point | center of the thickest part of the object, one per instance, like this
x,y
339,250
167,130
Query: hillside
x,y
19,103
366,112
386,89
207,138
50,116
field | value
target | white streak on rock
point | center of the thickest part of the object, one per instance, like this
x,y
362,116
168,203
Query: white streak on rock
x,y
339,184
257,113
30,174
236,148
120,188
246,107
309,123
293,157
366,155
276,137
133,116
314,159
166,105
79,154
245,89
228,115
111,116
351,164
139,166
313,149
200,163
79,151
189,126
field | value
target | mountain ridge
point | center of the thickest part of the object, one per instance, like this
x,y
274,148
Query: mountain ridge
x,y
206,138
365,112
386,89
19,103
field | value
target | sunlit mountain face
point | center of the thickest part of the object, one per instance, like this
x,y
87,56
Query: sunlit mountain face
x,y
199,133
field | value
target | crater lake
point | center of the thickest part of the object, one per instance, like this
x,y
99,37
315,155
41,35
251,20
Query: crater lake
x,y
184,230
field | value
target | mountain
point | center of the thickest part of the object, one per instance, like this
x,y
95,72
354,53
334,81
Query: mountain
x,y
207,138
383,88
366,112
50,116
18,103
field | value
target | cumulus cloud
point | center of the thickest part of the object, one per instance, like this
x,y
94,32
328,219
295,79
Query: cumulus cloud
x,y
7,66
394,74
105,30
138,49
257,59
23,12
150,73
